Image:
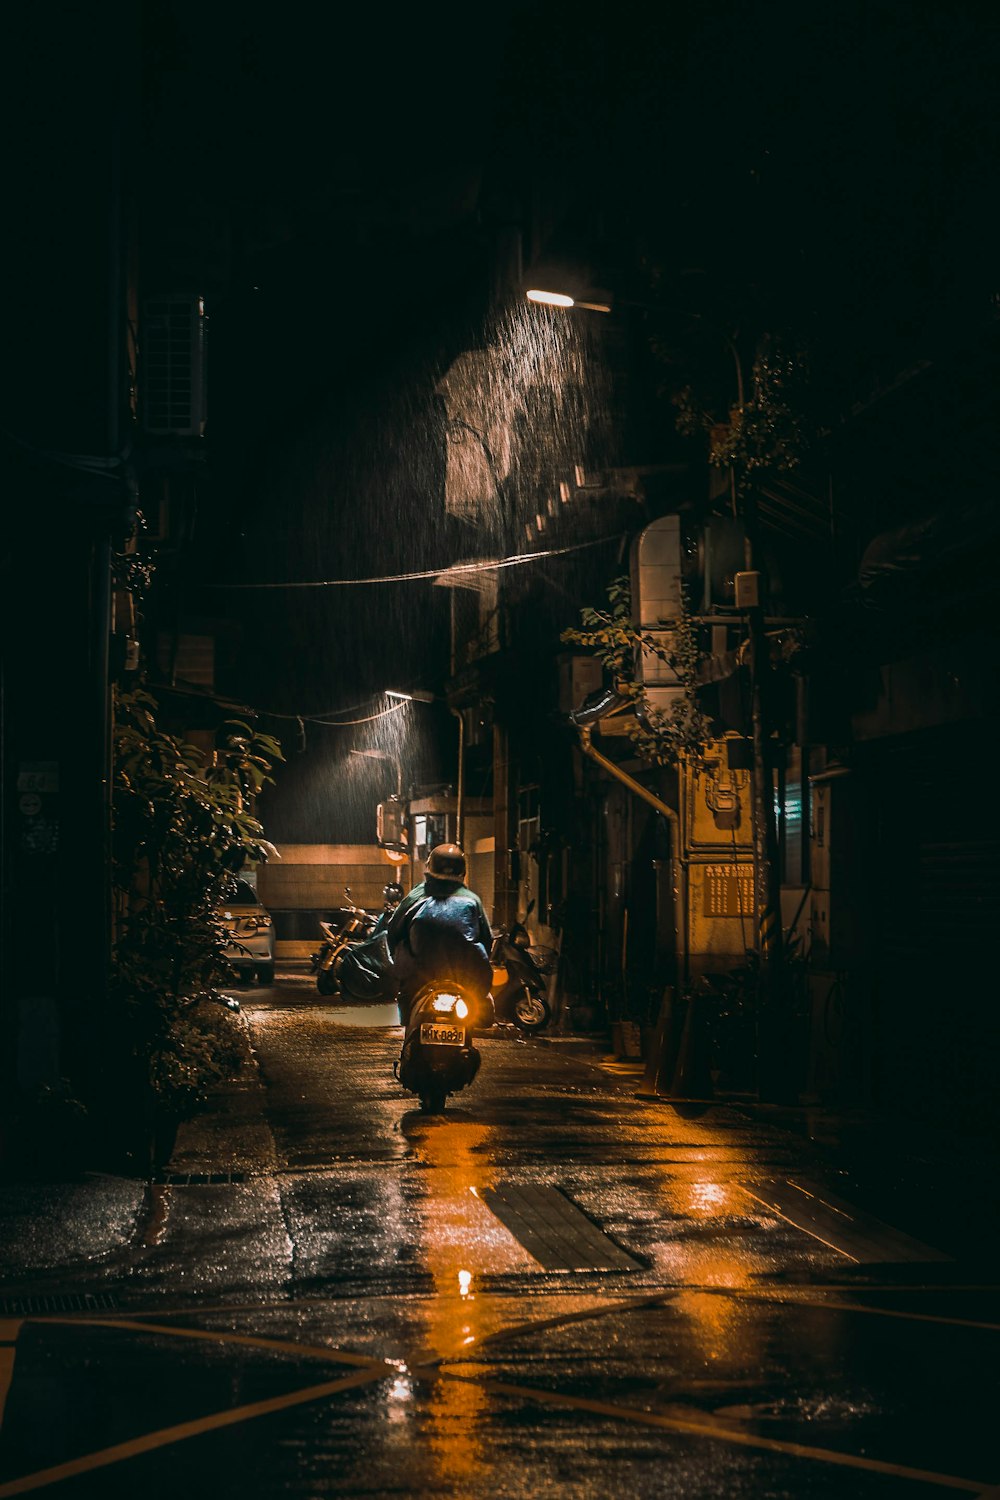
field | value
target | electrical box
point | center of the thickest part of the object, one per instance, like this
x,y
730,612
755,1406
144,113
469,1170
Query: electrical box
x,y
747,590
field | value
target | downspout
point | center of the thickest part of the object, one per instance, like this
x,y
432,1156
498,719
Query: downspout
x,y
460,789
677,858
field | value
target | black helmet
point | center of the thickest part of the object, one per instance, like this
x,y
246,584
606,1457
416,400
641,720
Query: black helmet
x,y
447,862
393,893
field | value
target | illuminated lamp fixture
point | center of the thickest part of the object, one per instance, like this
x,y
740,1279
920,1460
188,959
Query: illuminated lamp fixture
x,y
419,695
561,299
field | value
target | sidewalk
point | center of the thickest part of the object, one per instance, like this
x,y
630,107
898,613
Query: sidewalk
x,y
909,1170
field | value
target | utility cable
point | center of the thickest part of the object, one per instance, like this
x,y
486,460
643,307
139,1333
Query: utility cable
x,y
267,713
344,723
455,570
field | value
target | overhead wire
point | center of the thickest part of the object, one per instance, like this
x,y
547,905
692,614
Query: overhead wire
x,y
267,713
454,570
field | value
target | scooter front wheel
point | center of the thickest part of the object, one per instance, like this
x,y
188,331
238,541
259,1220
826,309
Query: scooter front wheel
x,y
326,982
531,1012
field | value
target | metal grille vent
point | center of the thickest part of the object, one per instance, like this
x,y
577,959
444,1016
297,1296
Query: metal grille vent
x,y
57,1302
172,365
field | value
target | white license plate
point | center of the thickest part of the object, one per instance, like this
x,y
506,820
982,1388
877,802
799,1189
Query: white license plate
x,y
435,1034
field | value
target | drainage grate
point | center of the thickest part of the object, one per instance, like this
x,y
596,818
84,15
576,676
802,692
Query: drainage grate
x,y
198,1179
57,1302
555,1231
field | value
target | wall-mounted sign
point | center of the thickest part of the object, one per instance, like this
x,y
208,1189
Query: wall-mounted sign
x,y
728,890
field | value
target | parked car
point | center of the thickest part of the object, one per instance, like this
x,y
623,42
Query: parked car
x,y
251,948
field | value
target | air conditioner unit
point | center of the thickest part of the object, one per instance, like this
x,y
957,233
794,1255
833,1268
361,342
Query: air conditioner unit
x,y
390,824
172,365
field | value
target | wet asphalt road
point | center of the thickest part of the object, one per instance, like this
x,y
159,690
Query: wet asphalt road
x,y
557,1289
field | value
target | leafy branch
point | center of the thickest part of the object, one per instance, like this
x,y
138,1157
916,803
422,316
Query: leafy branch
x,y
182,829
768,431
660,736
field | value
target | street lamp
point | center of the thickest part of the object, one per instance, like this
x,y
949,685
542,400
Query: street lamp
x,y
392,760
418,695
563,299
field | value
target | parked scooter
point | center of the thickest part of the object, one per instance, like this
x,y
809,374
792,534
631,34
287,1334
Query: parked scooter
x,y
519,988
438,1056
356,925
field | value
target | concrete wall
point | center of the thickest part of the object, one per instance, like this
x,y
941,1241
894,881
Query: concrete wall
x,y
308,881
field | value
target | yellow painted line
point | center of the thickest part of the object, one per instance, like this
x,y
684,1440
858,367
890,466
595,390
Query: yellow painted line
x,y
177,1434
286,1346
538,1325
776,1213
813,1297
289,1305
894,1312
803,1298
711,1429
9,1330
840,1286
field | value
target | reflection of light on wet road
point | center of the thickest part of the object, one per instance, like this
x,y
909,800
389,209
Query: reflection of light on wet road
x,y
461,1239
365,1015
721,1254
706,1198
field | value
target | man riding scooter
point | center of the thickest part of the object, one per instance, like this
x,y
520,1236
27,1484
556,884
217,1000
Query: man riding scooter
x,y
440,931
439,944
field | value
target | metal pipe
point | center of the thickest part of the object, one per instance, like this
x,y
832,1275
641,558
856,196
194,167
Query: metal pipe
x,y
677,855
460,789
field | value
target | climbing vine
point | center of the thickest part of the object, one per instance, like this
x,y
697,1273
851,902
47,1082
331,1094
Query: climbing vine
x,y
660,736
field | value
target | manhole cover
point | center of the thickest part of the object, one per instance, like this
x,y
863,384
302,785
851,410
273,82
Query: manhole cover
x,y
554,1230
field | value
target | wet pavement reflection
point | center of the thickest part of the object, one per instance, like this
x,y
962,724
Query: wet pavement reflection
x,y
346,1314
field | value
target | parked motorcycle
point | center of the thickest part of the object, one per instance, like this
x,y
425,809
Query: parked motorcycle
x,y
519,987
438,1056
356,925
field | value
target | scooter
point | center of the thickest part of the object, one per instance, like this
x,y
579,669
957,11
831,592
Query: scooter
x,y
519,988
337,938
438,1056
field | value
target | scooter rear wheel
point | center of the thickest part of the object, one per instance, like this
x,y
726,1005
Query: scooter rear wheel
x,y
432,1101
531,1012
